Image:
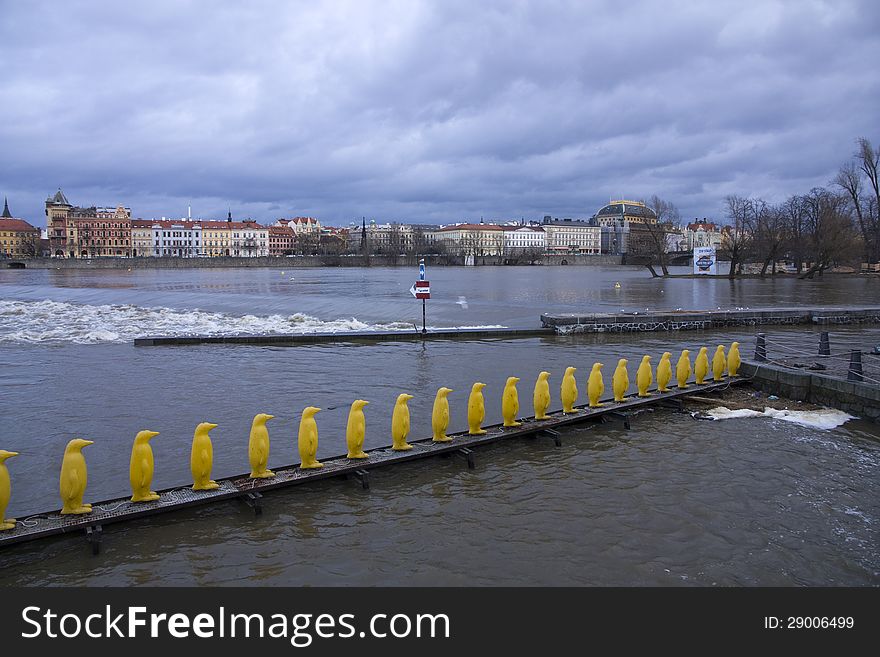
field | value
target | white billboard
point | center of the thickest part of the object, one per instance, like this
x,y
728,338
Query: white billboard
x,y
704,259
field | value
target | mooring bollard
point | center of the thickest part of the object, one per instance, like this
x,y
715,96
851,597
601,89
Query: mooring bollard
x,y
761,348
824,344
855,366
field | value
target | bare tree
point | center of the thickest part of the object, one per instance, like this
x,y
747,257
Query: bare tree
x,y
849,178
869,159
864,202
794,217
829,230
768,226
737,238
30,246
654,242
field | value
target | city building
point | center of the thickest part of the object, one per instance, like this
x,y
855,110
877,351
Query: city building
x,y
62,237
18,239
216,238
141,238
392,237
87,232
623,213
571,236
472,239
301,225
179,238
249,239
101,231
525,237
702,233
282,240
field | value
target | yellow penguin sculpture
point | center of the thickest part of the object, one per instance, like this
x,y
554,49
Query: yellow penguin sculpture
x,y
140,469
733,359
201,459
701,366
569,391
683,368
308,439
595,386
258,447
620,380
541,398
719,362
644,377
440,416
510,402
356,429
5,490
74,477
664,372
400,423
476,409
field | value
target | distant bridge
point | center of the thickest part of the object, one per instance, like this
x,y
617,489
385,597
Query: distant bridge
x,y
673,259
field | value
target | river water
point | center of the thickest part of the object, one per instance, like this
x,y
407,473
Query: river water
x,y
672,501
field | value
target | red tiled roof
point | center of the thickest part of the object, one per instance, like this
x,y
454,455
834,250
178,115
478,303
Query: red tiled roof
x,y
473,227
702,225
16,224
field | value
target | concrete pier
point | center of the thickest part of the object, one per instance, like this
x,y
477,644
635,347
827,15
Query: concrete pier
x,y
684,320
860,398
344,336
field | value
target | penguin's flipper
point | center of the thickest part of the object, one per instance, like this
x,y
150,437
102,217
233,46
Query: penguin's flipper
x,y
71,485
144,480
205,460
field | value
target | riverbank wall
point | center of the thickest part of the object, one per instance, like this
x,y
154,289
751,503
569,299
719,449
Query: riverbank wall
x,y
293,262
702,320
862,399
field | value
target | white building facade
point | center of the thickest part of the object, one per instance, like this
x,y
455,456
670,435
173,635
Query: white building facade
x,y
525,237
176,239
572,236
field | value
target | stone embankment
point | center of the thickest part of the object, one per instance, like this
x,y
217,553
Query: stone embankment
x,y
701,320
291,262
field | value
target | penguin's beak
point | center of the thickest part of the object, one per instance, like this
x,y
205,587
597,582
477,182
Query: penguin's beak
x,y
10,455
408,397
86,443
269,417
516,379
153,434
211,425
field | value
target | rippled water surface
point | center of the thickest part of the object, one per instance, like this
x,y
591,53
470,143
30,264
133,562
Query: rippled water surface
x,y
672,501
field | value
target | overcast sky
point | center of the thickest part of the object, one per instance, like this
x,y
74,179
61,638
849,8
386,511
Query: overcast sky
x,y
428,111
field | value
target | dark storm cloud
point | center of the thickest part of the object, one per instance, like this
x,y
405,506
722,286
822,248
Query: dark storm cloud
x,y
429,111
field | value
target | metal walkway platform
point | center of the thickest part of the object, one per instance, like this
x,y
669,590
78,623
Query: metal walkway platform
x,y
107,512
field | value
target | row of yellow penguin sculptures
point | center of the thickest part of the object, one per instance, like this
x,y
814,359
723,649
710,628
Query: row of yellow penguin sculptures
x,y
74,474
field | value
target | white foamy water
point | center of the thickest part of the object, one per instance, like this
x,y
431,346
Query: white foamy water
x,y
60,322
826,418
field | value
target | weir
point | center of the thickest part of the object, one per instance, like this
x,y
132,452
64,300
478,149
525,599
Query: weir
x,y
49,523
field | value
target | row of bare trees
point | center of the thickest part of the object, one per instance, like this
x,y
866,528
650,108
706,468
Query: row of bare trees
x,y
813,230
827,226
